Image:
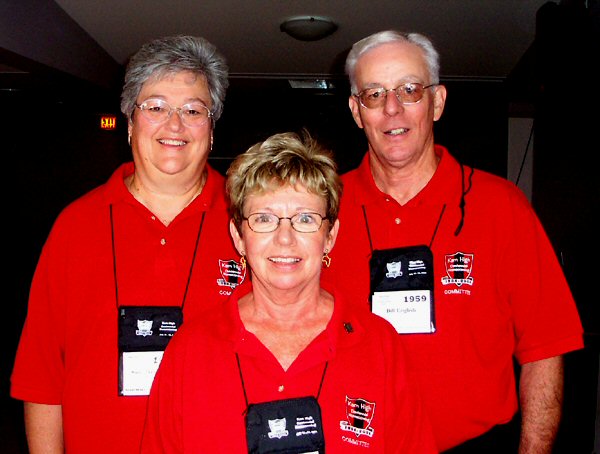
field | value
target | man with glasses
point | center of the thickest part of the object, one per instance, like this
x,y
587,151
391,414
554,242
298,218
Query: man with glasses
x,y
455,258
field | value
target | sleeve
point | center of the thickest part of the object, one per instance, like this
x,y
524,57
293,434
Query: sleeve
x,y
546,319
39,370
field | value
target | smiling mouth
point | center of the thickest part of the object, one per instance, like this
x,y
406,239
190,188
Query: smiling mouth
x,y
284,259
397,132
178,143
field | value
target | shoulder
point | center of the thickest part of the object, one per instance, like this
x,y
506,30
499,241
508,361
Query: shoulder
x,y
496,191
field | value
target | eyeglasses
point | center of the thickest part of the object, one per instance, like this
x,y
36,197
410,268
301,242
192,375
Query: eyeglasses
x,y
408,93
193,114
269,222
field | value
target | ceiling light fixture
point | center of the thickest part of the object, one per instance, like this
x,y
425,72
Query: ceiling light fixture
x,y
308,28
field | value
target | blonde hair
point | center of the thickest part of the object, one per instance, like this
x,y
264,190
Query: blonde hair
x,y
286,159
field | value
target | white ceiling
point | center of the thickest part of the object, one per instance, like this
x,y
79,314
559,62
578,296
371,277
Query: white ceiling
x,y
476,38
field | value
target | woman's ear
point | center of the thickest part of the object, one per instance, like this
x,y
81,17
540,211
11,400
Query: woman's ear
x,y
236,236
332,235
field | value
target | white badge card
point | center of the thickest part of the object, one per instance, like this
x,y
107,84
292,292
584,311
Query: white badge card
x,y
409,311
139,369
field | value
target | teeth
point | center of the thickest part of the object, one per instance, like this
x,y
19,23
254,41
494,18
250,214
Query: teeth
x,y
172,142
398,131
284,259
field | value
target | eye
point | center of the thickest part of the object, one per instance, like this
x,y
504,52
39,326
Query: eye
x,y
194,111
374,94
412,90
263,218
154,106
306,218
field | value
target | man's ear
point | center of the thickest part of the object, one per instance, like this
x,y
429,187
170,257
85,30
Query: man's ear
x,y
355,109
439,101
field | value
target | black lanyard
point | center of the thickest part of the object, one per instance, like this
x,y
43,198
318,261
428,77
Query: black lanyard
x,y
114,254
364,209
462,204
244,385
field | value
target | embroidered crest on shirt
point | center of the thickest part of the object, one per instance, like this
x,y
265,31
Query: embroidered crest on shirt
x,y
459,267
359,415
232,273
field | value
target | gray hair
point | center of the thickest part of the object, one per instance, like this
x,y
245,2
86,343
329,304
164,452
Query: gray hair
x,y
359,48
171,55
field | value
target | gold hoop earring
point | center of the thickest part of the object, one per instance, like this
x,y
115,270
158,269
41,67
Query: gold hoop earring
x,y
326,260
243,262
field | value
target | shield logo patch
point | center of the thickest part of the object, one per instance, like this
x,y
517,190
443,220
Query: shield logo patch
x,y
458,269
359,415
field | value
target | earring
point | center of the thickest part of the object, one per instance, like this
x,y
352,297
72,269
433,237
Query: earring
x,y
326,260
129,139
243,262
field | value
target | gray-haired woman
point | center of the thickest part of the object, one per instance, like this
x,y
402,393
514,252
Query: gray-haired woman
x,y
126,262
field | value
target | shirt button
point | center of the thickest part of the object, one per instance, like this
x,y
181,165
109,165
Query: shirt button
x,y
163,241
397,221
153,218
281,388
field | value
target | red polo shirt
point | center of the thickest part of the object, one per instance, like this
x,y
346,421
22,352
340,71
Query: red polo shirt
x,y
515,302
197,401
68,352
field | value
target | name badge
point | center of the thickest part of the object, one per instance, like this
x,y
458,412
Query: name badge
x,y
402,288
289,426
144,333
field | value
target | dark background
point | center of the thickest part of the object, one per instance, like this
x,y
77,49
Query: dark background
x,y
54,151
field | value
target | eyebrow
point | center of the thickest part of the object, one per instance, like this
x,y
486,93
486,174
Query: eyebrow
x,y
186,101
404,80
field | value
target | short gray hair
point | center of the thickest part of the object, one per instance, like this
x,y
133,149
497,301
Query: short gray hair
x,y
171,55
359,48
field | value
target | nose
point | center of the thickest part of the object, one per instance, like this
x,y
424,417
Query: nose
x,y
174,121
392,105
285,231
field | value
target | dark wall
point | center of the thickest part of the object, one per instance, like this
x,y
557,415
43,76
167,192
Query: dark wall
x,y
474,126
566,190
53,151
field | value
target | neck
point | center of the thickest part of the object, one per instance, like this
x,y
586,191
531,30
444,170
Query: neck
x,y
165,201
285,309
286,329
405,181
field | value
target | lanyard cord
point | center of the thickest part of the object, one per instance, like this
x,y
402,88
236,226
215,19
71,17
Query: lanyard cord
x,y
463,193
364,209
437,225
187,285
462,204
114,254
237,357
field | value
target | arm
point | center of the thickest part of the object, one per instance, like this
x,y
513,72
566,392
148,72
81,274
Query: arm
x,y
541,396
43,426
